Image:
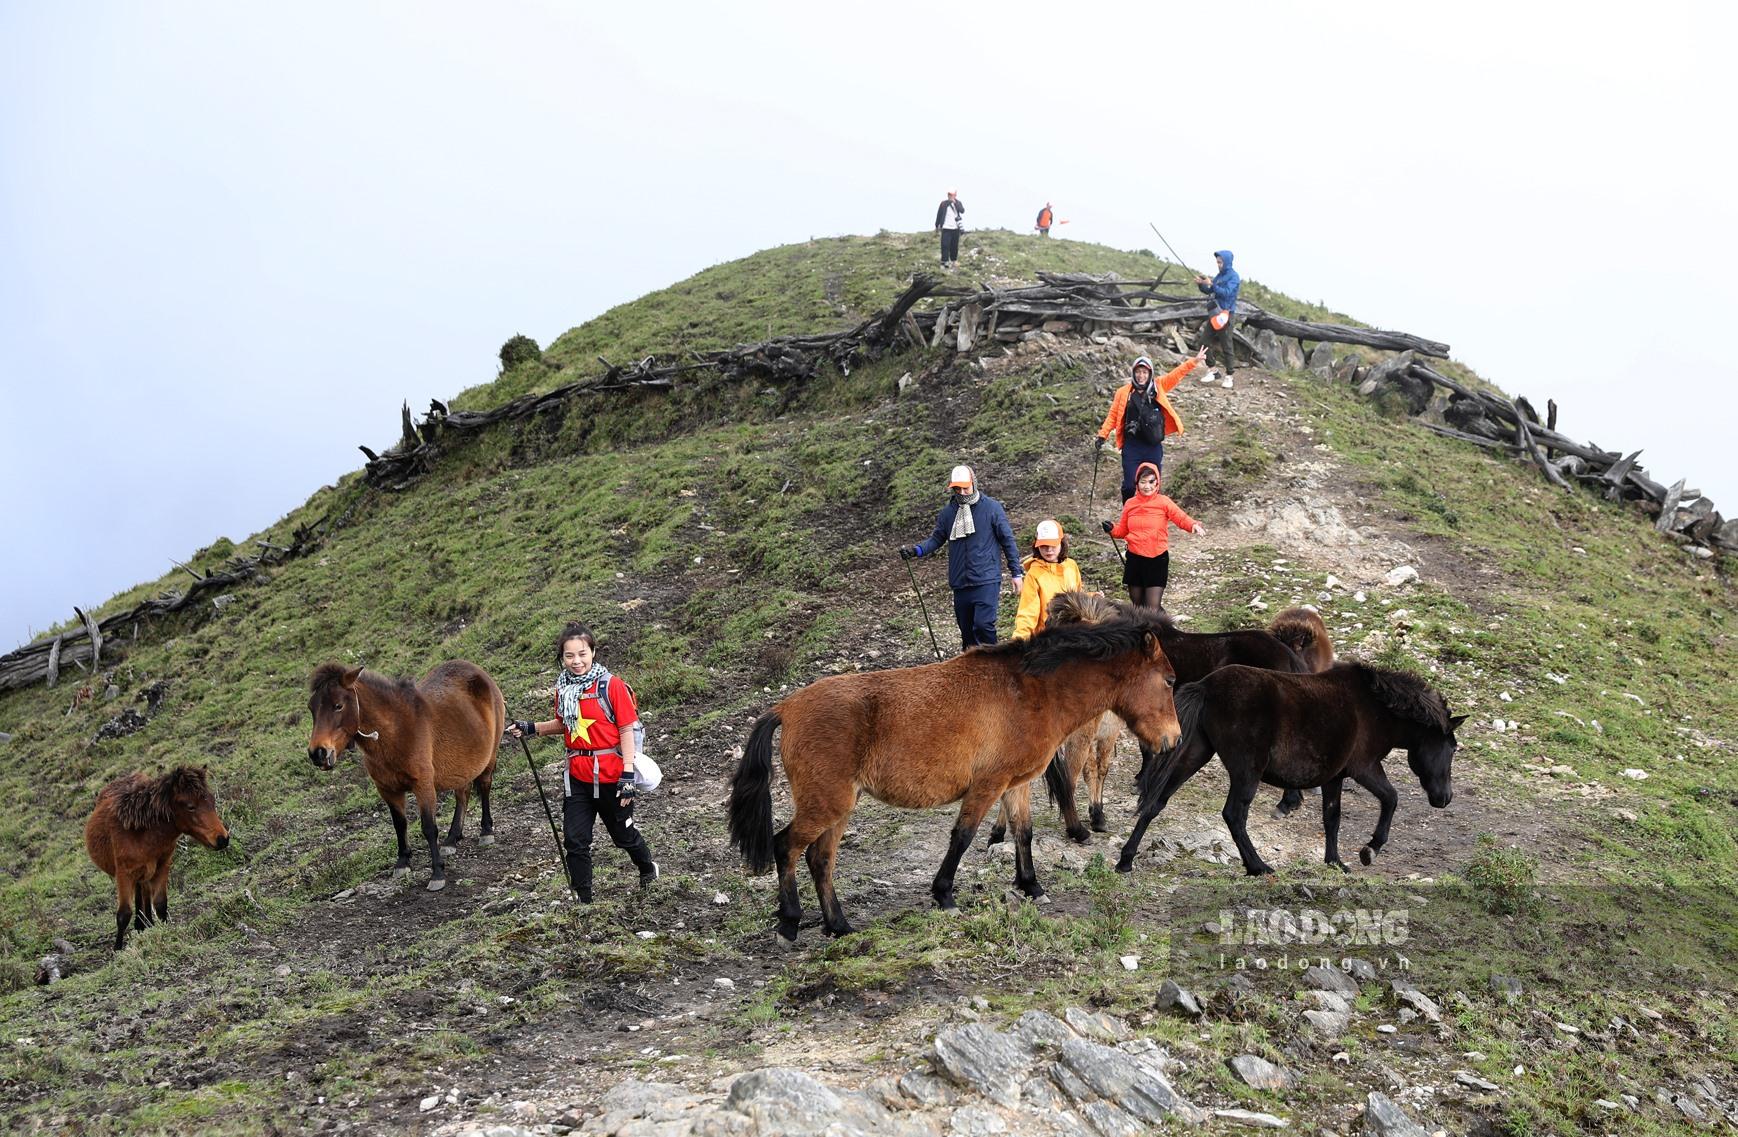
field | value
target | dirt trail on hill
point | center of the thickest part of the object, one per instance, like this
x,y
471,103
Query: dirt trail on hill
x,y
690,1026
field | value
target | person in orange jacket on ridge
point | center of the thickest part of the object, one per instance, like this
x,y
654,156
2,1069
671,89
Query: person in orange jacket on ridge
x,y
1141,417
1145,524
1049,570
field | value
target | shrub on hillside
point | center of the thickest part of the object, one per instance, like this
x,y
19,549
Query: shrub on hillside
x,y
1501,879
520,349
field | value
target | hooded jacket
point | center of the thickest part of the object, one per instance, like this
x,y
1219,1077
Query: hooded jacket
x,y
1224,287
1147,519
1043,581
1113,421
959,211
971,561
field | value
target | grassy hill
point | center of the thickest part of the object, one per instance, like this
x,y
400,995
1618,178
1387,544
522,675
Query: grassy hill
x,y
727,541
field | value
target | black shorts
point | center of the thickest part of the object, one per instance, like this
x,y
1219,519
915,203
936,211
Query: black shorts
x,y
1147,572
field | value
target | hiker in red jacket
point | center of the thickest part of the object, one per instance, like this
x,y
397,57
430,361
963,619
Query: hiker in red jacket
x,y
595,715
1145,524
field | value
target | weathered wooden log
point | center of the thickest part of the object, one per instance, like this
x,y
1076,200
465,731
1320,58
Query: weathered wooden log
x,y
1340,333
1461,435
94,634
1669,507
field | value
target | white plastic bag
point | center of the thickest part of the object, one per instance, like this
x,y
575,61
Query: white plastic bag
x,y
647,775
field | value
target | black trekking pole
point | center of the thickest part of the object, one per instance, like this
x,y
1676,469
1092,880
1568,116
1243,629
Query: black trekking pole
x,y
1168,248
923,607
560,850
1097,453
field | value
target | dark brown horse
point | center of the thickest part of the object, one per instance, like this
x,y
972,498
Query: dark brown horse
x,y
440,734
131,836
1298,731
972,729
1295,642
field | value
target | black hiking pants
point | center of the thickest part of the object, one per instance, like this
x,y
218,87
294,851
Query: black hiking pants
x,y
950,246
580,811
1221,340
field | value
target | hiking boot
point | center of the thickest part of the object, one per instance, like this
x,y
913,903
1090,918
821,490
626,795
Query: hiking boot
x,y
582,897
647,876
1227,383
1212,375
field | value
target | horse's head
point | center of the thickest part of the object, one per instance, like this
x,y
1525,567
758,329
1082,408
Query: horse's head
x,y
1432,759
1145,701
337,718
194,809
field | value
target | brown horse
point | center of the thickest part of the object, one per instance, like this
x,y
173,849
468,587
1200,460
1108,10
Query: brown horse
x,y
131,836
1298,731
1295,642
972,729
1302,630
439,734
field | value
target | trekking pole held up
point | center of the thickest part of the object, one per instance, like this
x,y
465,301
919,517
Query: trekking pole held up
x,y
924,608
560,851
1167,245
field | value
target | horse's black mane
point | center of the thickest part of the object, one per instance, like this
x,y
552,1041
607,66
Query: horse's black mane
x,y
146,803
329,673
1406,695
1063,643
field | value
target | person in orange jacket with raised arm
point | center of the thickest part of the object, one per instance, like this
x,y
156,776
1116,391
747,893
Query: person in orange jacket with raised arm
x,y
1141,417
1146,524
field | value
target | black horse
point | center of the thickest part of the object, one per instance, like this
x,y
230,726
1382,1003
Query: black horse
x,y
1299,731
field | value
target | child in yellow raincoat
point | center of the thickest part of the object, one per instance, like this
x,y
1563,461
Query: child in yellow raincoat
x,y
1049,570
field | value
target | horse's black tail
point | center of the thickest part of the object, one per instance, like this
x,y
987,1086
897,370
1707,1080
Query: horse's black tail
x,y
751,797
1056,779
1156,764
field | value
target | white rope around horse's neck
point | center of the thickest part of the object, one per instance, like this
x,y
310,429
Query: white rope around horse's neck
x,y
370,735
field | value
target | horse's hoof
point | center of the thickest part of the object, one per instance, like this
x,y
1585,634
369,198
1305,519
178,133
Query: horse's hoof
x,y
449,850
1100,827
1366,855
1125,866
1341,865
437,884
1080,835
400,870
486,840
996,837
787,937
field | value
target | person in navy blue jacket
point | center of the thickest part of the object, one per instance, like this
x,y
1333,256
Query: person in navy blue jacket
x,y
1221,313
974,527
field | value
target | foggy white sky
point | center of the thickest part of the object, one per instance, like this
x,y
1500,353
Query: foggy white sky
x,y
233,239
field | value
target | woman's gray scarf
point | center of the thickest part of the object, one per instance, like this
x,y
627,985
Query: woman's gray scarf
x,y
963,525
568,689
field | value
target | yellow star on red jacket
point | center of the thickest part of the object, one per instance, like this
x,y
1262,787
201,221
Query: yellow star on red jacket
x,y
582,726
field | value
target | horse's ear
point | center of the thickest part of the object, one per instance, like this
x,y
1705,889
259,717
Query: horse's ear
x,y
1454,723
348,680
1155,650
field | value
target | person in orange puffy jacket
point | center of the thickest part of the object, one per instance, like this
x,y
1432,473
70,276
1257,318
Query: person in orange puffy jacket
x,y
1141,417
1146,524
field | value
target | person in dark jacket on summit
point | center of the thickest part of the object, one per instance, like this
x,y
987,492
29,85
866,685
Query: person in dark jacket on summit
x,y
974,527
950,223
1221,312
